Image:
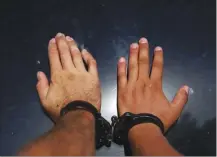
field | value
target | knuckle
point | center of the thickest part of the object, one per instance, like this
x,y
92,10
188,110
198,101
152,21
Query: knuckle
x,y
158,60
76,55
154,85
157,64
132,66
62,43
74,48
73,44
53,49
141,82
143,59
55,77
157,82
121,74
37,86
122,96
93,62
75,51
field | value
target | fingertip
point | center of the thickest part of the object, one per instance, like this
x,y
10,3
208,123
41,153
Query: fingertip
x,y
39,75
158,48
52,41
143,40
42,85
42,77
181,96
121,72
186,88
59,34
52,45
134,46
53,55
133,63
84,52
122,60
183,92
157,65
68,38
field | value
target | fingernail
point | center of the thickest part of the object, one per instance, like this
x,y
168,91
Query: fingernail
x,y
52,40
84,51
186,88
59,34
69,38
122,59
39,75
134,45
158,48
74,49
143,40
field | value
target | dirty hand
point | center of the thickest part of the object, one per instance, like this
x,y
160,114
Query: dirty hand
x,y
141,92
70,80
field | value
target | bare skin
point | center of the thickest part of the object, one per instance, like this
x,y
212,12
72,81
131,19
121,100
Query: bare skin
x,y
70,81
142,92
139,93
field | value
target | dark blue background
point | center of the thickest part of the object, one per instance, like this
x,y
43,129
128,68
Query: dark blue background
x,y
185,29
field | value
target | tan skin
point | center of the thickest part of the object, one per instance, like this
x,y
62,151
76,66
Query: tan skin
x,y
70,81
142,92
138,93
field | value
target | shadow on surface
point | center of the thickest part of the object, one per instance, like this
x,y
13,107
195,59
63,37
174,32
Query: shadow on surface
x,y
190,139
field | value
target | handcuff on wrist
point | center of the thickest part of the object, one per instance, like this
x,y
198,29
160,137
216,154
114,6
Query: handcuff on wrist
x,y
124,123
121,125
103,129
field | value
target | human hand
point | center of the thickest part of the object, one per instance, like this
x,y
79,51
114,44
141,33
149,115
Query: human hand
x,y
70,80
141,92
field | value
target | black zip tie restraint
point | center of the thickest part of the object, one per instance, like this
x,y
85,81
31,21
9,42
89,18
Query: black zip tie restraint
x,y
103,129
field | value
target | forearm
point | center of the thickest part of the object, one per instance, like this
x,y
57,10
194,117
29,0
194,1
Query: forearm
x,y
73,134
147,139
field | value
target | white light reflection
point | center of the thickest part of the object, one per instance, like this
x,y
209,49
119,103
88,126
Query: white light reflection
x,y
109,102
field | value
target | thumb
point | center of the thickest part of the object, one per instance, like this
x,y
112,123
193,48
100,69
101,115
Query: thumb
x,y
180,99
42,86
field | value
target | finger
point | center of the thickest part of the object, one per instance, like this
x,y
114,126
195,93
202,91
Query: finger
x,y
76,56
157,66
133,63
64,51
90,61
122,76
42,86
71,42
180,99
143,59
53,55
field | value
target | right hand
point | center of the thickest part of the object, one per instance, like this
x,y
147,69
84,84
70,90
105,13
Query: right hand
x,y
70,80
141,93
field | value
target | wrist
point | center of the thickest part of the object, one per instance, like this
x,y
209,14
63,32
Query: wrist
x,y
75,128
81,116
81,109
143,131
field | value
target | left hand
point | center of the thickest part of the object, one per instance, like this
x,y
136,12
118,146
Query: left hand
x,y
142,91
70,80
